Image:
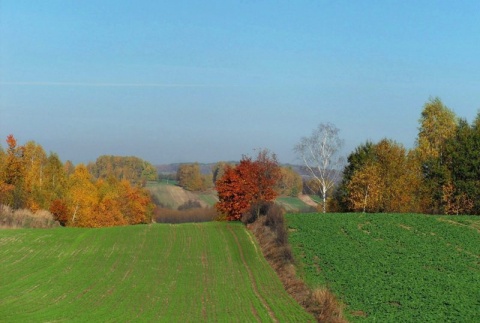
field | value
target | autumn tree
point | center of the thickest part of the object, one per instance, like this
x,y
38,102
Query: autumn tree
x,y
102,202
130,168
13,175
218,170
365,189
30,179
362,155
398,177
437,125
4,188
60,212
461,194
81,198
249,182
320,154
290,182
55,178
381,177
190,177
35,161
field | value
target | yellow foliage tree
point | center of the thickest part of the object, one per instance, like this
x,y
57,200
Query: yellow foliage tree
x,y
365,189
82,198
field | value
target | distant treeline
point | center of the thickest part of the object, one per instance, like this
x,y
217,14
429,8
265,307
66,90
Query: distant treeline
x,y
132,169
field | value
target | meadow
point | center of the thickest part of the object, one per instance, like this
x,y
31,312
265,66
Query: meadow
x,y
393,267
157,273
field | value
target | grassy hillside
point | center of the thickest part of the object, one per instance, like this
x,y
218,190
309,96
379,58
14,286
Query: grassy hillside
x,y
172,196
168,273
393,267
293,204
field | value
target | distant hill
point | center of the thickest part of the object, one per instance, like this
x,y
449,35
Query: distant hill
x,y
206,168
172,196
172,168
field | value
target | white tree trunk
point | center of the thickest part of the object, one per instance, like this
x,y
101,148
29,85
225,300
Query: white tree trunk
x,y
365,200
74,214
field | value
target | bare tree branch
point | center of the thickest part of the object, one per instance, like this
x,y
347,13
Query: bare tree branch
x,y
320,155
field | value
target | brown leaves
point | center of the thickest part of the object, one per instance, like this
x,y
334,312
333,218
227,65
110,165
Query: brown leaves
x,y
248,182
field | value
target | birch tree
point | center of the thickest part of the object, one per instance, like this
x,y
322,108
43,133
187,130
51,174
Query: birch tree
x,y
320,154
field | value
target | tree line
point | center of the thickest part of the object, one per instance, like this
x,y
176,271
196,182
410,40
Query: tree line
x,y
100,194
439,175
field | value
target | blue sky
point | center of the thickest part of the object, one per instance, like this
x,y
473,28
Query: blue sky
x,y
184,81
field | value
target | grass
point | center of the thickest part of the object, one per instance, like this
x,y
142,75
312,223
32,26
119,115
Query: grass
x,y
209,198
172,196
292,204
393,267
157,273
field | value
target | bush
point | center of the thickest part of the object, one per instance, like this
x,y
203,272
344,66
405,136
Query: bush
x,y
190,204
270,230
275,220
24,218
255,210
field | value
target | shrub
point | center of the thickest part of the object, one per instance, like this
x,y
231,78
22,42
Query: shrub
x,y
60,211
255,210
270,230
24,218
190,204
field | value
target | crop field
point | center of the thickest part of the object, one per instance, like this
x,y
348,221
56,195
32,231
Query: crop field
x,y
155,273
393,267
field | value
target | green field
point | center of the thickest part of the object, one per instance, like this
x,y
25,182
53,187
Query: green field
x,y
155,273
292,204
393,267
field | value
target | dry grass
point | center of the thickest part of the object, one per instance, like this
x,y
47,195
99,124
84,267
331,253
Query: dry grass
x,y
24,218
271,233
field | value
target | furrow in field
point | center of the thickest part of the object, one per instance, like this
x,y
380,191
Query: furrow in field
x,y
154,273
252,279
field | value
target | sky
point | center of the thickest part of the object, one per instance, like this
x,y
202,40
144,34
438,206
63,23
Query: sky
x,y
208,81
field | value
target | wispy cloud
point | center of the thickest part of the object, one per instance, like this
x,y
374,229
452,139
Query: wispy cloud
x,y
87,84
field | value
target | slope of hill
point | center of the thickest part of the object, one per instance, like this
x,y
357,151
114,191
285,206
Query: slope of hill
x,y
172,196
393,267
153,273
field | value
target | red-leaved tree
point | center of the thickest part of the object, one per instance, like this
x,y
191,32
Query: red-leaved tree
x,y
249,182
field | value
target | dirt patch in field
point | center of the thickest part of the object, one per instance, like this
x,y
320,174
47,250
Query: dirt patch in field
x,y
307,200
406,227
180,196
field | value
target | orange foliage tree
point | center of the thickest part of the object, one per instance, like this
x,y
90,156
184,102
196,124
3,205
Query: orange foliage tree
x,y
31,179
12,175
104,203
249,182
